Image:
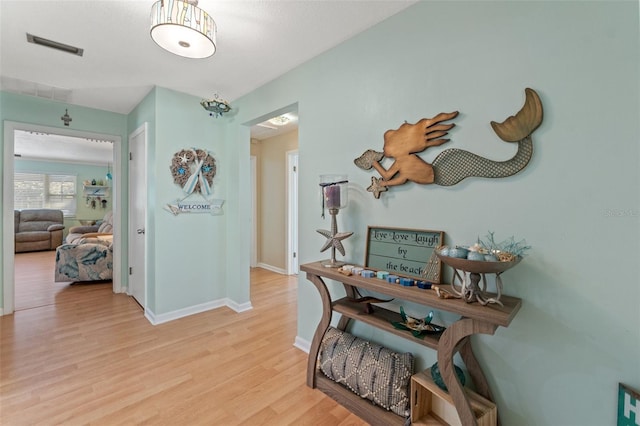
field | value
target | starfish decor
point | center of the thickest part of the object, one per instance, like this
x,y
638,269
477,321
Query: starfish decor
x,y
334,240
377,186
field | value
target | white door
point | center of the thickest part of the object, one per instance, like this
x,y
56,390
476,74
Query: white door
x,y
137,214
292,197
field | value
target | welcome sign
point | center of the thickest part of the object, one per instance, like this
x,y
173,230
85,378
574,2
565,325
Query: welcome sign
x,y
401,251
213,207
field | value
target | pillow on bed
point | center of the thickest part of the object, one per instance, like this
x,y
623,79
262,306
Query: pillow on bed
x,y
369,370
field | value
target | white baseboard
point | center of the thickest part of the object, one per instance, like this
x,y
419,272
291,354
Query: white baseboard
x,y
302,344
192,310
272,268
239,307
1,312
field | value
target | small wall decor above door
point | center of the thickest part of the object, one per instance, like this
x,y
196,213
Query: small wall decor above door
x,y
216,106
452,165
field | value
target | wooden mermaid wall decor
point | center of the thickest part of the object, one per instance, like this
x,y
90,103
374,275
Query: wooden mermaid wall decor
x,y
451,165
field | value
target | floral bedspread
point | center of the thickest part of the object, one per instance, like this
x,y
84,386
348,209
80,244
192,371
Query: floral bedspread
x,y
89,261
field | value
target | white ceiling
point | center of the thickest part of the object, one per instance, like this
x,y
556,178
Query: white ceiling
x,y
50,147
257,42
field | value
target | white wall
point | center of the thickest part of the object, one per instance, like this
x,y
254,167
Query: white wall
x,y
576,203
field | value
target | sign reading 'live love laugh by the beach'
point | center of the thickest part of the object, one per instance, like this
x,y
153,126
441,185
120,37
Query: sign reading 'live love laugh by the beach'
x,y
402,251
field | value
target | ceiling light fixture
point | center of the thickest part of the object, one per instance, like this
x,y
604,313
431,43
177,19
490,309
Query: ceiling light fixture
x,y
280,120
183,29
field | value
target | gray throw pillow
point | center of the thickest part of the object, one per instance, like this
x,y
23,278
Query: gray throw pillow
x,y
368,369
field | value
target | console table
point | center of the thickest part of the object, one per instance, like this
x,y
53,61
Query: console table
x,y
474,319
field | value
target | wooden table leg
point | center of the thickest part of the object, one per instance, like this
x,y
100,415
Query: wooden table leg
x,y
323,325
475,371
455,338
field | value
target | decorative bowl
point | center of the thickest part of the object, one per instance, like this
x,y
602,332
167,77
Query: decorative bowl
x,y
477,266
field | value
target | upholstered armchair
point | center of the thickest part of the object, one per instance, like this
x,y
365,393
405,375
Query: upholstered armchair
x,y
102,228
89,260
37,229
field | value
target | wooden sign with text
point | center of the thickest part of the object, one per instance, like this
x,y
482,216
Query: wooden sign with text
x,y
403,251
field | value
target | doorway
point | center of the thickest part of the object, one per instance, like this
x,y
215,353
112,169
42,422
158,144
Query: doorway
x,y
8,246
274,144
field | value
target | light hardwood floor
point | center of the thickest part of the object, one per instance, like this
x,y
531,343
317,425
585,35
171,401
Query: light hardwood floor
x,y
79,354
34,281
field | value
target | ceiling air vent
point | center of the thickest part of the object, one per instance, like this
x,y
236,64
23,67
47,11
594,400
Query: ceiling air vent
x,y
54,45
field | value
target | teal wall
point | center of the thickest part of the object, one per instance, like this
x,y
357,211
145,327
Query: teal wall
x,y
576,203
185,253
189,248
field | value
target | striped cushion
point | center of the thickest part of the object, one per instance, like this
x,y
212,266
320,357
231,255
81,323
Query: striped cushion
x,y
369,370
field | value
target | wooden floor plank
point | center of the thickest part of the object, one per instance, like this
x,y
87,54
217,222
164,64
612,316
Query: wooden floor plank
x,y
80,354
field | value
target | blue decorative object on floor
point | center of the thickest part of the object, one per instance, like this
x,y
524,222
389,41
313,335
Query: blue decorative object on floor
x,y
437,377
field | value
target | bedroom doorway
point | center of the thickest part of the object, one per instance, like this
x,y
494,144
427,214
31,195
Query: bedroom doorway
x,y
8,247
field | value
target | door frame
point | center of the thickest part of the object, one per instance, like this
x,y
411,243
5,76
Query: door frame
x,y
289,108
253,261
292,212
8,243
143,128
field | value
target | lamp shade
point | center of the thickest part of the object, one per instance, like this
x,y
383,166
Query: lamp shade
x,y
183,29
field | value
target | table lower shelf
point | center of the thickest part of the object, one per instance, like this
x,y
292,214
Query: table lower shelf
x,y
381,318
361,407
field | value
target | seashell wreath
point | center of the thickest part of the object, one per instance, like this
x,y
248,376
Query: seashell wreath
x,y
188,162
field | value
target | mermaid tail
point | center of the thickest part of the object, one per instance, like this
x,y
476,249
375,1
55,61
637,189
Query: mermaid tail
x,y
453,165
518,127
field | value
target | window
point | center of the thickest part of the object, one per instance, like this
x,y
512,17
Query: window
x,y
50,191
